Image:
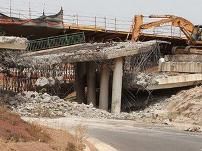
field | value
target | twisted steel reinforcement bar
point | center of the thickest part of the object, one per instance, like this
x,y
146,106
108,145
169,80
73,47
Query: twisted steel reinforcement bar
x,y
18,80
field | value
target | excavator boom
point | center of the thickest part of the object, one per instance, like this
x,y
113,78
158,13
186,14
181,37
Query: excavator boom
x,y
185,26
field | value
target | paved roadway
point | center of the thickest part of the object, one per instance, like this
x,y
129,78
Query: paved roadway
x,y
129,136
144,139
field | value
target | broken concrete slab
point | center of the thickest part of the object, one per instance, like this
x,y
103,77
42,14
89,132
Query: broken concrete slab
x,y
182,67
155,81
13,43
181,80
91,52
183,58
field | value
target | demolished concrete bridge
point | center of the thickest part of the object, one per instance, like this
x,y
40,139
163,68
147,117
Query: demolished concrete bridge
x,y
104,60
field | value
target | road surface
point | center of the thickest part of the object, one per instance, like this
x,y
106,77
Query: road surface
x,y
129,136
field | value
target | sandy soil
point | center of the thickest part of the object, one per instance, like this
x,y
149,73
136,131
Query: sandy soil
x,y
18,135
60,141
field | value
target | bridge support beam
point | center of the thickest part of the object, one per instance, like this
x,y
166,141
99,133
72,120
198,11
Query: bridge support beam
x,y
117,86
91,83
80,82
104,88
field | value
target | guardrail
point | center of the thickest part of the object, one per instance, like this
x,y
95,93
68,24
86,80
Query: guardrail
x,y
106,23
56,41
102,23
95,22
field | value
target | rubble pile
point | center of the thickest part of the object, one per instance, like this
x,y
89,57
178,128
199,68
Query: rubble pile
x,y
43,81
6,60
142,79
186,106
34,104
183,108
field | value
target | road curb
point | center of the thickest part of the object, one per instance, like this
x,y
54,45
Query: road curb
x,y
101,146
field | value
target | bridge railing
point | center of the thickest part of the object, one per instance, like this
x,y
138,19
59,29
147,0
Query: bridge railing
x,y
56,41
101,23
95,22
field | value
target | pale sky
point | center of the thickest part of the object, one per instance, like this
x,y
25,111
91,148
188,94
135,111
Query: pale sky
x,y
189,9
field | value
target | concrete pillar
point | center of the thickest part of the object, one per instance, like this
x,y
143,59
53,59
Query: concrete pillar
x,y
91,83
117,86
104,88
80,82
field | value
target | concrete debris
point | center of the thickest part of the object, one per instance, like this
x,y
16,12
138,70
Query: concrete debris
x,y
134,80
145,79
43,81
184,109
128,45
43,105
11,39
42,60
13,42
193,129
7,59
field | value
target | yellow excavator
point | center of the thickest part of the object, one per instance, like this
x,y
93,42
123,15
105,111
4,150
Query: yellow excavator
x,y
192,32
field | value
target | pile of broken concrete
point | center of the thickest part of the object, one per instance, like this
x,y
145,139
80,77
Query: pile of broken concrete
x,y
34,104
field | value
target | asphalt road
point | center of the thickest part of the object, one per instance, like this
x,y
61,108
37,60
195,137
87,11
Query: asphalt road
x,y
129,136
145,139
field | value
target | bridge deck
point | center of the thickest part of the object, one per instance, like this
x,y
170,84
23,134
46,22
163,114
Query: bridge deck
x,y
91,52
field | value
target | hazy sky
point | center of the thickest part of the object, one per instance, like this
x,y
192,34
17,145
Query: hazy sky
x,y
190,9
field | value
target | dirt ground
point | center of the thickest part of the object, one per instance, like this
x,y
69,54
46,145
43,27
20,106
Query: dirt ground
x,y
186,107
59,141
18,135
183,110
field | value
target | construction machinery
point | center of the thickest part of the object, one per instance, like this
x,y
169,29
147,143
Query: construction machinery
x,y
192,32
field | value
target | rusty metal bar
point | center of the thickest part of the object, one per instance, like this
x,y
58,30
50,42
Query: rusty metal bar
x,y
24,80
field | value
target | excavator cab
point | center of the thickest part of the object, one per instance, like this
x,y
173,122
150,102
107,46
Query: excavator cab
x,y
197,33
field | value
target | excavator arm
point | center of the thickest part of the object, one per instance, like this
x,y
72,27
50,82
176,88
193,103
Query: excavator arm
x,y
185,26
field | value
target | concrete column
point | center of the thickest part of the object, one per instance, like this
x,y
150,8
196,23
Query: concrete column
x,y
80,82
104,88
91,83
117,86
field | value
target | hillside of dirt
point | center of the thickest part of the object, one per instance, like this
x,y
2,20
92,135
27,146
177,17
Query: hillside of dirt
x,y
183,110
18,135
13,128
186,106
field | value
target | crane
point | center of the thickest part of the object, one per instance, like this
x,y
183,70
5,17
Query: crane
x,y
192,32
